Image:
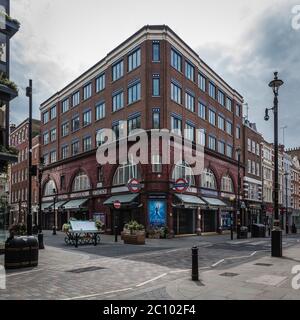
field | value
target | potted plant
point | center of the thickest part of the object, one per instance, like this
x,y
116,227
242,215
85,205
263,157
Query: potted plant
x,y
66,227
154,232
99,225
133,233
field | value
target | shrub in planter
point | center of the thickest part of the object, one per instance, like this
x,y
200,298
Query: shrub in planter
x,y
133,233
99,225
66,227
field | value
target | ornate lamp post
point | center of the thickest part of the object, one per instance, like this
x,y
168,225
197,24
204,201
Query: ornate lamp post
x,y
55,216
276,232
40,234
238,209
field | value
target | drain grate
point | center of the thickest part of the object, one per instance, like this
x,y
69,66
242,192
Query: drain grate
x,y
229,274
263,264
87,269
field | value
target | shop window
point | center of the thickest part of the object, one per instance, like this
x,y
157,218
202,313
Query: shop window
x,y
125,172
208,179
227,184
81,182
183,170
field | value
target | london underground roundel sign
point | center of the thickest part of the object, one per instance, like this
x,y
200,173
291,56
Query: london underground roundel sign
x,y
181,185
134,186
117,204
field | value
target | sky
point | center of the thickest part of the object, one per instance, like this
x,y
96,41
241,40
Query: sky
x,y
243,41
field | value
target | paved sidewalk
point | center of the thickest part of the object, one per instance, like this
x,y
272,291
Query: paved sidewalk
x,y
266,278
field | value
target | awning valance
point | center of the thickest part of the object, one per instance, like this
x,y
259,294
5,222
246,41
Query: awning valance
x,y
190,200
58,205
46,206
75,204
124,199
215,202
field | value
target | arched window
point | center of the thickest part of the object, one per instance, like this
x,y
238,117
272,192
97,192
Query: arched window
x,y
81,182
227,184
49,188
125,172
208,179
183,170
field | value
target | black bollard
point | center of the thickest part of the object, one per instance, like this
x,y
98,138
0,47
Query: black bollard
x,y
76,240
41,240
195,271
95,239
54,231
116,233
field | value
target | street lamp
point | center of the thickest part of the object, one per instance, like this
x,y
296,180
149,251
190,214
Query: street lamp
x,y
238,209
40,224
54,204
286,174
276,232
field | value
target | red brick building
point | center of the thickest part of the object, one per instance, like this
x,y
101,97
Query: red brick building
x,y
19,171
153,80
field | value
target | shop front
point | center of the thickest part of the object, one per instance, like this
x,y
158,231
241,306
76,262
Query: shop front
x,y
296,218
254,214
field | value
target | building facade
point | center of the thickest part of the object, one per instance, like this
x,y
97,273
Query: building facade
x,y
153,80
253,174
8,91
19,171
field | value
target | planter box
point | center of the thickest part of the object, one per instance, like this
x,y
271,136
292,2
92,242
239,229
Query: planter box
x,y
135,238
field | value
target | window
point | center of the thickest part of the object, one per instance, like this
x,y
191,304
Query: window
x,y
65,152
65,105
221,147
45,119
118,70
253,171
100,174
134,123
229,127
87,144
202,82
249,166
87,118
100,137
155,51
212,143
156,119
249,145
3,42
238,132
118,101
229,151
201,110
221,122
116,129
50,188
189,101
183,170
208,179
253,147
76,99
46,159
189,132
202,137
87,91
155,85
176,60
75,123
100,111
227,184
175,93
229,104
45,140
212,117
53,156
53,134
134,60
176,125
189,71
134,93
126,172
257,169
100,83
156,163
257,149
238,110
75,147
62,181
53,112
65,129
221,98
212,90
81,182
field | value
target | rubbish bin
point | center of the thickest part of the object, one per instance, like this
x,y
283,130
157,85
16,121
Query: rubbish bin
x,y
21,252
258,231
243,233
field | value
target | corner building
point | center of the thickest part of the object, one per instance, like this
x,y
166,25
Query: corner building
x,y
153,80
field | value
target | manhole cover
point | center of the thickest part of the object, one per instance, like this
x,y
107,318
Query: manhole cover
x,y
229,274
263,264
87,269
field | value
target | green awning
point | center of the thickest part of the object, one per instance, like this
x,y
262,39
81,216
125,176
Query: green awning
x,y
215,202
189,199
75,204
124,199
46,206
57,204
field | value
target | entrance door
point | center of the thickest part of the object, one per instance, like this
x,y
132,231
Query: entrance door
x,y
184,221
210,220
121,217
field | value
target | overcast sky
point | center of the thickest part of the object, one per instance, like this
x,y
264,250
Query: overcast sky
x,y
243,41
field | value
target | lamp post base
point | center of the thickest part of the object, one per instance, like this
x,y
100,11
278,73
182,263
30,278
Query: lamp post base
x,y
276,243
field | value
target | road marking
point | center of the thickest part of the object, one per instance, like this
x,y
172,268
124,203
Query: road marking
x,y
21,273
98,294
217,263
151,280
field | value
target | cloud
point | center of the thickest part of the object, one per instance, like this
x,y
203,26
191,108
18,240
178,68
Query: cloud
x,y
269,44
